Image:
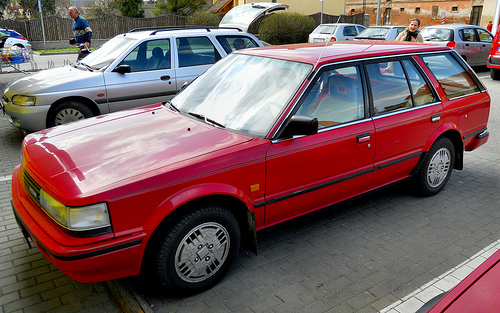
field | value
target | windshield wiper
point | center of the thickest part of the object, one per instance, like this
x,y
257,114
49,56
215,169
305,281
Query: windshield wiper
x,y
87,66
206,120
171,106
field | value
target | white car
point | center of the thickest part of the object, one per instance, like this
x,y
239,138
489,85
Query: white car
x,y
335,32
141,67
15,39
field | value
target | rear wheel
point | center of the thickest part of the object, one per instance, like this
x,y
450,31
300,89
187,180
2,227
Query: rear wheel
x,y
68,112
437,167
196,251
495,73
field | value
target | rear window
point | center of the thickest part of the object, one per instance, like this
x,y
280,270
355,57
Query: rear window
x,y
452,76
233,43
325,29
437,34
374,32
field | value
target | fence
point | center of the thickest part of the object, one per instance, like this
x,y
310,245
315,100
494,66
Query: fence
x,y
58,28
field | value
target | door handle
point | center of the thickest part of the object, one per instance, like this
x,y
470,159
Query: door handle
x,y
166,77
435,118
363,138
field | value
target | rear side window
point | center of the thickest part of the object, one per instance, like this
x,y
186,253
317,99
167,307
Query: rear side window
x,y
451,75
467,34
397,85
233,43
350,31
196,51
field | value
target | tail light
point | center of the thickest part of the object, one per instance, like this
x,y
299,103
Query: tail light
x,y
451,44
22,38
333,39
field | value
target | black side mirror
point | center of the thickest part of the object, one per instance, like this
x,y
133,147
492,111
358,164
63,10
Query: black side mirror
x,y
122,69
301,125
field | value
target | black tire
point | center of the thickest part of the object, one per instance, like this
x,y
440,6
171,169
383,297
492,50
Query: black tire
x,y
495,74
437,167
196,251
68,112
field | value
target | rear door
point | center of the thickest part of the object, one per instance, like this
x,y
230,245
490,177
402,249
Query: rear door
x,y
406,112
470,47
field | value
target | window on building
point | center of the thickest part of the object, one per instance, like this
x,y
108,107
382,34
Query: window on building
x,y
401,9
417,10
435,11
454,9
387,16
353,11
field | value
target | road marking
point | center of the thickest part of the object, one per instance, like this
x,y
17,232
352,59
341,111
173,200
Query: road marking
x,y
443,283
6,178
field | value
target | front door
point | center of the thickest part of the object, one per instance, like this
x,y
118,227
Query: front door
x,y
311,172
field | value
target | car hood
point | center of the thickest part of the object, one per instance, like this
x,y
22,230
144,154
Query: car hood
x,y
110,151
58,79
243,16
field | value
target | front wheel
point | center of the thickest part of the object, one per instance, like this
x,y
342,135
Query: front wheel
x,y
68,112
437,167
196,251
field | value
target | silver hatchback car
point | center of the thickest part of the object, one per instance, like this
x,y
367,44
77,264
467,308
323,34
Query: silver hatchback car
x,y
335,32
472,42
133,69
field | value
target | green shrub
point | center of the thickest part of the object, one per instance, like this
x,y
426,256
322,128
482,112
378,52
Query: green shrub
x,y
203,19
285,28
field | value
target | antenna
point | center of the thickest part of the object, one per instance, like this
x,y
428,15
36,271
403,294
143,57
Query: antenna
x,y
327,42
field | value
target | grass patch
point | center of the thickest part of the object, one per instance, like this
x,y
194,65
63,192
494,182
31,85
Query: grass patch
x,y
58,50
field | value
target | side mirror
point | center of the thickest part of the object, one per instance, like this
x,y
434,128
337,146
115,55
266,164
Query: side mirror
x,y
122,69
301,125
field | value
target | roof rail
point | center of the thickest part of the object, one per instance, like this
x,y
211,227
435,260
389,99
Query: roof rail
x,y
169,28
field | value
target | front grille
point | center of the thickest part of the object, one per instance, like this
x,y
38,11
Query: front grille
x,y
31,188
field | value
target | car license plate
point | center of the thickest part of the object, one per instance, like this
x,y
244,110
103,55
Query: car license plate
x,y
319,40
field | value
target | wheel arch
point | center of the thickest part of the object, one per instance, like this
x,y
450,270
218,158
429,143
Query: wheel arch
x,y
450,132
83,100
236,205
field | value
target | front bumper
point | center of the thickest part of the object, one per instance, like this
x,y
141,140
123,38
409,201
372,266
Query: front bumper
x,y
29,118
86,260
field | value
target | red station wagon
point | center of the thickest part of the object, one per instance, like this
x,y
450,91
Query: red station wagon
x,y
265,135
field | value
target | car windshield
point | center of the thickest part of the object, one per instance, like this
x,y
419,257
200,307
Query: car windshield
x,y
374,32
108,52
243,93
437,34
325,29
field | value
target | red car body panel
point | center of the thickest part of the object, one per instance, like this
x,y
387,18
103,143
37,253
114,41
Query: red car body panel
x,y
478,292
147,162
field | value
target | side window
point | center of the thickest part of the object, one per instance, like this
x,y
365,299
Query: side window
x,y
451,75
336,97
196,51
422,93
467,34
233,43
484,36
149,55
350,31
390,90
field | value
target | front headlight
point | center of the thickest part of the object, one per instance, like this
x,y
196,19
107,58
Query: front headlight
x,y
23,100
89,220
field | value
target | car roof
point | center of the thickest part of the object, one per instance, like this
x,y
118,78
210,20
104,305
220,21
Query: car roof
x,y
388,26
454,26
140,33
340,51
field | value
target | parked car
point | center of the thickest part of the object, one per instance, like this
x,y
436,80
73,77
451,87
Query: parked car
x,y
380,33
172,190
137,68
478,292
493,61
335,32
472,42
247,17
15,39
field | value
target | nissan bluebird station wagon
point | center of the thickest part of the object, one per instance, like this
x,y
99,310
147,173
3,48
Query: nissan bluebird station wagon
x,y
173,190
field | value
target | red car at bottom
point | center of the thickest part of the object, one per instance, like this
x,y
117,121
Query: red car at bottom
x,y
478,292
265,135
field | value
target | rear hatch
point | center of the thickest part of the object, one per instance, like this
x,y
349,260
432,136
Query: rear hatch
x,y
247,17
